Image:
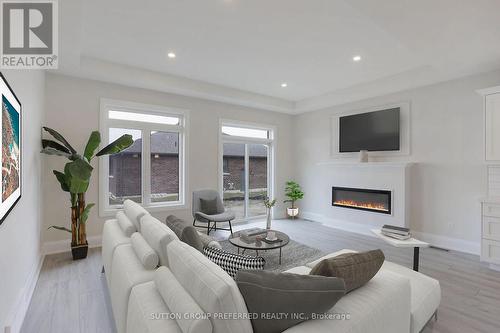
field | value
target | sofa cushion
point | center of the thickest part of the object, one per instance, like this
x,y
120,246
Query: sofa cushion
x,y
191,237
330,255
179,301
127,273
148,313
380,306
275,299
232,262
177,225
304,270
134,212
157,235
112,237
425,294
211,288
127,226
355,269
145,253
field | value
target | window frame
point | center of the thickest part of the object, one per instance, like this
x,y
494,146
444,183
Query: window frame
x,y
271,158
105,123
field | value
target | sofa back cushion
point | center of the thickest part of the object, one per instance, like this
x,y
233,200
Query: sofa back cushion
x,y
211,288
134,212
148,257
125,224
158,236
179,301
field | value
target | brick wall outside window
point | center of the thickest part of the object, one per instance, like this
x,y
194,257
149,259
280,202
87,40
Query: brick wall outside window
x,y
125,172
234,173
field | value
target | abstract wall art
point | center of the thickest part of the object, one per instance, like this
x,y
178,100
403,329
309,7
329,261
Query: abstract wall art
x,y
11,142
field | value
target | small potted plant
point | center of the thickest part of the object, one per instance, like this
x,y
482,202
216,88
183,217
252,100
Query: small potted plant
x,y
269,205
294,193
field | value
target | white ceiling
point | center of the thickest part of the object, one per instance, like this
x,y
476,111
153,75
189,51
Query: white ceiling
x,y
242,50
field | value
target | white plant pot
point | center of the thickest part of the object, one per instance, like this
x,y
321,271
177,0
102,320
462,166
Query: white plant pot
x,y
292,212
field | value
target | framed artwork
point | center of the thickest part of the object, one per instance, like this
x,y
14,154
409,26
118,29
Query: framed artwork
x,y
11,142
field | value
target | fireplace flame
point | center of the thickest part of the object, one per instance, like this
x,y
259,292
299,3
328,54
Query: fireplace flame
x,y
368,205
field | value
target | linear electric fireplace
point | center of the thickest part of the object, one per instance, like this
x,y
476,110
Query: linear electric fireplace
x,y
378,201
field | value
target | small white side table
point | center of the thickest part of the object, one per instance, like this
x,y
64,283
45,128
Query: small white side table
x,y
412,242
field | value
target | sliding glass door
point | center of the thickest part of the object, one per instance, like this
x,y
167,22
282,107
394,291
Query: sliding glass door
x,y
257,179
234,181
246,175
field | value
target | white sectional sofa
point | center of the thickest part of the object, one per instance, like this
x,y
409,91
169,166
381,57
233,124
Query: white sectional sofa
x,y
150,300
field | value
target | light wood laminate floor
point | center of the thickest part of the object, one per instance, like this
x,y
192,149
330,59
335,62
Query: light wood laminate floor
x,y
71,296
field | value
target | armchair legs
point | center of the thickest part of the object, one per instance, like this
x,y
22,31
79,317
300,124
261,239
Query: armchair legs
x,y
210,227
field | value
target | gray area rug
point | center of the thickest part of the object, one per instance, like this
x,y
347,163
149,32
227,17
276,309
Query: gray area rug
x,y
293,254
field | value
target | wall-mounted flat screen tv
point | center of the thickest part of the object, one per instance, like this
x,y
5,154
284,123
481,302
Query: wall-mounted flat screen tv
x,y
372,131
11,149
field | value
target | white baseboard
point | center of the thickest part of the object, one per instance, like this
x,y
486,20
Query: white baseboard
x,y
16,318
444,242
495,267
449,243
65,245
338,224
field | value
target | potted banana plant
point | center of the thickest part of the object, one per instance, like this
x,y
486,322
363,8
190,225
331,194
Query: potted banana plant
x,y
75,179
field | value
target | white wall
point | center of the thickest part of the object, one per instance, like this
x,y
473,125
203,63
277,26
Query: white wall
x,y
447,145
73,109
20,256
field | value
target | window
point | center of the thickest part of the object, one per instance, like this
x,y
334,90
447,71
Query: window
x,y
151,171
255,133
247,168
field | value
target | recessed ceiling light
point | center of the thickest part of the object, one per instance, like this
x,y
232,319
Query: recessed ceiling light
x,y
171,55
356,58
284,85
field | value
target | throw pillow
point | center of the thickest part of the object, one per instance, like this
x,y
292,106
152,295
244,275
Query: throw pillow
x,y
191,237
175,224
208,207
147,256
127,226
355,268
278,301
232,262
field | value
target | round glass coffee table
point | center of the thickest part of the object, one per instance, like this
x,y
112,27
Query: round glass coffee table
x,y
236,240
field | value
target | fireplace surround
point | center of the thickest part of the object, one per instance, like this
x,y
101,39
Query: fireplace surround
x,y
377,201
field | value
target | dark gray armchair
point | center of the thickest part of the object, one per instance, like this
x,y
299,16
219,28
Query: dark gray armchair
x,y
208,208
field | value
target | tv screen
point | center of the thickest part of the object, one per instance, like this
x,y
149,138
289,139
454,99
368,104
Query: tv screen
x,y
372,131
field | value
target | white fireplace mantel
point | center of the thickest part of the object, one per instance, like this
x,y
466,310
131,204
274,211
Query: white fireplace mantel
x,y
337,163
385,175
